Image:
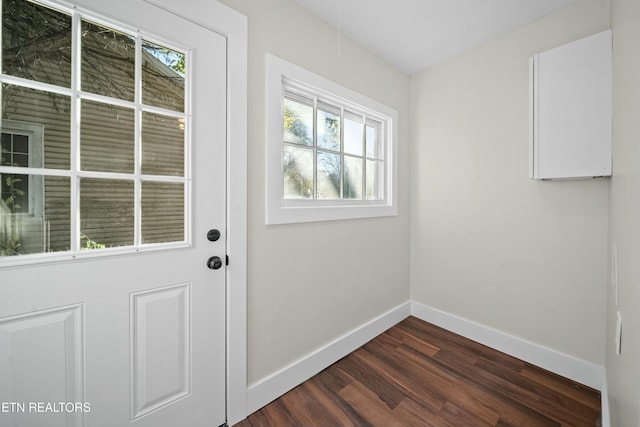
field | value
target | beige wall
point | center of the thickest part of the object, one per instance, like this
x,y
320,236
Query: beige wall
x,y
624,371
309,284
525,257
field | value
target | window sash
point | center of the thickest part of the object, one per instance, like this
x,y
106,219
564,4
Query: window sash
x,y
352,113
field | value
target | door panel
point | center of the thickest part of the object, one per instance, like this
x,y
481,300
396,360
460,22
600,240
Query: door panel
x,y
160,321
30,379
132,337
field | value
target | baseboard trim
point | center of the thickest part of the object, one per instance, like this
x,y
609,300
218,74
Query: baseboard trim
x,y
604,399
579,370
274,386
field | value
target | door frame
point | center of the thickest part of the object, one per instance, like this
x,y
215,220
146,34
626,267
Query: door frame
x,y
234,26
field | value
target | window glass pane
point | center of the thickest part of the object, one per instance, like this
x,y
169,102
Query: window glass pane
x,y
36,42
162,145
352,178
353,130
21,160
106,137
298,122
162,212
36,233
5,145
371,137
328,175
106,213
108,62
371,179
20,145
328,130
46,117
298,172
163,72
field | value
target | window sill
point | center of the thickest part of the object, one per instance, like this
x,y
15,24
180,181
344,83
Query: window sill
x,y
315,213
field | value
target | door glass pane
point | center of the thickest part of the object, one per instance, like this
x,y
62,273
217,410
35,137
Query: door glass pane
x,y
106,213
36,42
352,178
14,192
163,72
47,227
298,122
162,145
108,62
329,130
162,212
353,135
328,175
298,172
107,137
47,118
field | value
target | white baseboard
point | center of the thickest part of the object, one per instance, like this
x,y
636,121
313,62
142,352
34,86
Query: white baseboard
x,y
274,386
579,370
604,398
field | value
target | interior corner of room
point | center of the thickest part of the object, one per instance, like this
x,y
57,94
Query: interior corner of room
x,y
477,245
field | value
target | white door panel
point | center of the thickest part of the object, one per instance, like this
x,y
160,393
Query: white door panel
x,y
137,338
30,378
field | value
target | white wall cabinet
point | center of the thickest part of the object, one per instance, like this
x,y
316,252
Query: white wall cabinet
x,y
571,108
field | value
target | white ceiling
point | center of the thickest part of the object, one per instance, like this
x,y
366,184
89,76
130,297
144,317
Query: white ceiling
x,y
414,34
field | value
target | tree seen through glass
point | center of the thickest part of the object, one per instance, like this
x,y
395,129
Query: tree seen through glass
x,y
336,176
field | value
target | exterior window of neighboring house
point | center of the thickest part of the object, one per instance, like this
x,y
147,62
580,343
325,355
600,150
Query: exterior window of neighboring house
x,y
21,146
331,151
94,156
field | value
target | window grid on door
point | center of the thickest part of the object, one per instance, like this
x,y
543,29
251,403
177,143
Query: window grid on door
x,y
151,177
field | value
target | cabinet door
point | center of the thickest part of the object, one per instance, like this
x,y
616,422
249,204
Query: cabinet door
x,y
571,110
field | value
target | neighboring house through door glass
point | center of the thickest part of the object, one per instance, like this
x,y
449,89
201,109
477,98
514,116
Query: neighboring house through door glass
x,y
95,128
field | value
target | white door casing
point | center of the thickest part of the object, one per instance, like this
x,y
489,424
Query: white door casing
x,y
137,337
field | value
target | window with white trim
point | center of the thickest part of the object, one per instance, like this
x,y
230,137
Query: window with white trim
x,y
331,151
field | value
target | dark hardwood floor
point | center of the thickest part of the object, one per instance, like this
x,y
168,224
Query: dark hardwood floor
x,y
418,375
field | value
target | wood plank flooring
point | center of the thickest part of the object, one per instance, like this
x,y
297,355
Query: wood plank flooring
x,y
418,375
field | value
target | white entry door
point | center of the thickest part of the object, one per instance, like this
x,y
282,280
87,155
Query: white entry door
x,y
112,300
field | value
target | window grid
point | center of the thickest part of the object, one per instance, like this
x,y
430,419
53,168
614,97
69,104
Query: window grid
x,y
365,122
75,172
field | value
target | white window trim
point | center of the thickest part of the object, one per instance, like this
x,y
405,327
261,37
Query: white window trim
x,y
281,211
